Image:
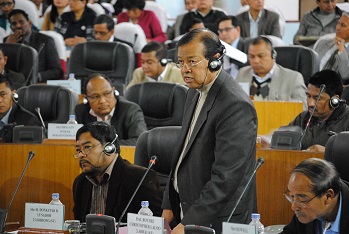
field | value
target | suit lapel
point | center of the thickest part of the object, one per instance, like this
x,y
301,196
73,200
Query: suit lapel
x,y
114,186
274,84
246,25
261,23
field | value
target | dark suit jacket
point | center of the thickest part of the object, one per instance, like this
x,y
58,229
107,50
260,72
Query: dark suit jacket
x,y
128,120
296,227
50,67
218,160
18,79
268,24
124,179
21,116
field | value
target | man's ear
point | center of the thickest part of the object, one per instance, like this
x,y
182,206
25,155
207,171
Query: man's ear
x,y
5,59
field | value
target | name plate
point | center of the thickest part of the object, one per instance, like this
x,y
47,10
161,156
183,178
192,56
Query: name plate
x,y
74,85
62,131
237,228
45,216
144,224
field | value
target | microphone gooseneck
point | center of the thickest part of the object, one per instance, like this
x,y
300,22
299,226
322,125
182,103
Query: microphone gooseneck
x,y
4,212
151,163
42,45
322,89
259,163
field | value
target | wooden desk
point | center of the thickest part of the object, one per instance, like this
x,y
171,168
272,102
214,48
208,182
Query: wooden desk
x,y
274,114
53,169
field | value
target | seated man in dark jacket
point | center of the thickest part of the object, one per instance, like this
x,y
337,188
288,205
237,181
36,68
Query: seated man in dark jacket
x,y
10,111
107,181
105,104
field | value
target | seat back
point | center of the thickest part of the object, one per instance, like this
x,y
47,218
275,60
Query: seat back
x,y
22,59
56,103
162,103
132,33
160,142
160,13
336,151
298,58
114,59
30,8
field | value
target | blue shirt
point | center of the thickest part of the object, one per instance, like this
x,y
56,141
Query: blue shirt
x,y
254,24
334,229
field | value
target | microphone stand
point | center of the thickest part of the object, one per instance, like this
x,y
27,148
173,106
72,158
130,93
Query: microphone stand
x,y
151,163
4,212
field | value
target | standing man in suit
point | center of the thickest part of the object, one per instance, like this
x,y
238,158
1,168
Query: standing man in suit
x,y
229,30
334,52
215,153
10,111
270,81
107,181
319,199
50,67
103,103
155,66
258,21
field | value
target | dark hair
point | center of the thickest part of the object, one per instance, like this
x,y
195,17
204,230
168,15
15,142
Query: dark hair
x,y
158,47
209,39
262,39
192,22
332,80
234,21
105,19
101,131
18,11
5,79
322,175
53,13
130,4
90,77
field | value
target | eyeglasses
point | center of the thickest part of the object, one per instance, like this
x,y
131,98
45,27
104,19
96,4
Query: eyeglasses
x,y
85,151
3,4
180,64
298,203
224,30
96,97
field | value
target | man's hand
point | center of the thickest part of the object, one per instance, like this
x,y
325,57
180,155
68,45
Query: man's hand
x,y
15,37
74,40
167,215
179,229
317,148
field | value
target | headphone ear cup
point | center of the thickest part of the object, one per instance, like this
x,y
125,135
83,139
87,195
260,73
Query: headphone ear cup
x,y
109,148
334,102
214,64
15,97
163,62
116,93
274,54
85,101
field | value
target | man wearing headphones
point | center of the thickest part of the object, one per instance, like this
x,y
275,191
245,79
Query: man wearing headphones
x,y
216,150
331,115
107,181
155,66
103,103
270,81
10,111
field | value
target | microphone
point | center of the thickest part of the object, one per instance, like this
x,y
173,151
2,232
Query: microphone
x,y
42,45
259,163
4,212
151,163
322,89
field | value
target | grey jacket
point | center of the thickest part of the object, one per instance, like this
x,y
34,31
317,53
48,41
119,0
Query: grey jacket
x,y
312,26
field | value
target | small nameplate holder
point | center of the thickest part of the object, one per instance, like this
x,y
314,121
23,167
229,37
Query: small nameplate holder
x,y
237,228
74,85
45,216
62,131
144,224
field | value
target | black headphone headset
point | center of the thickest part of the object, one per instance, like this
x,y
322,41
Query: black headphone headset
x,y
335,102
109,147
214,64
15,97
116,94
268,41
